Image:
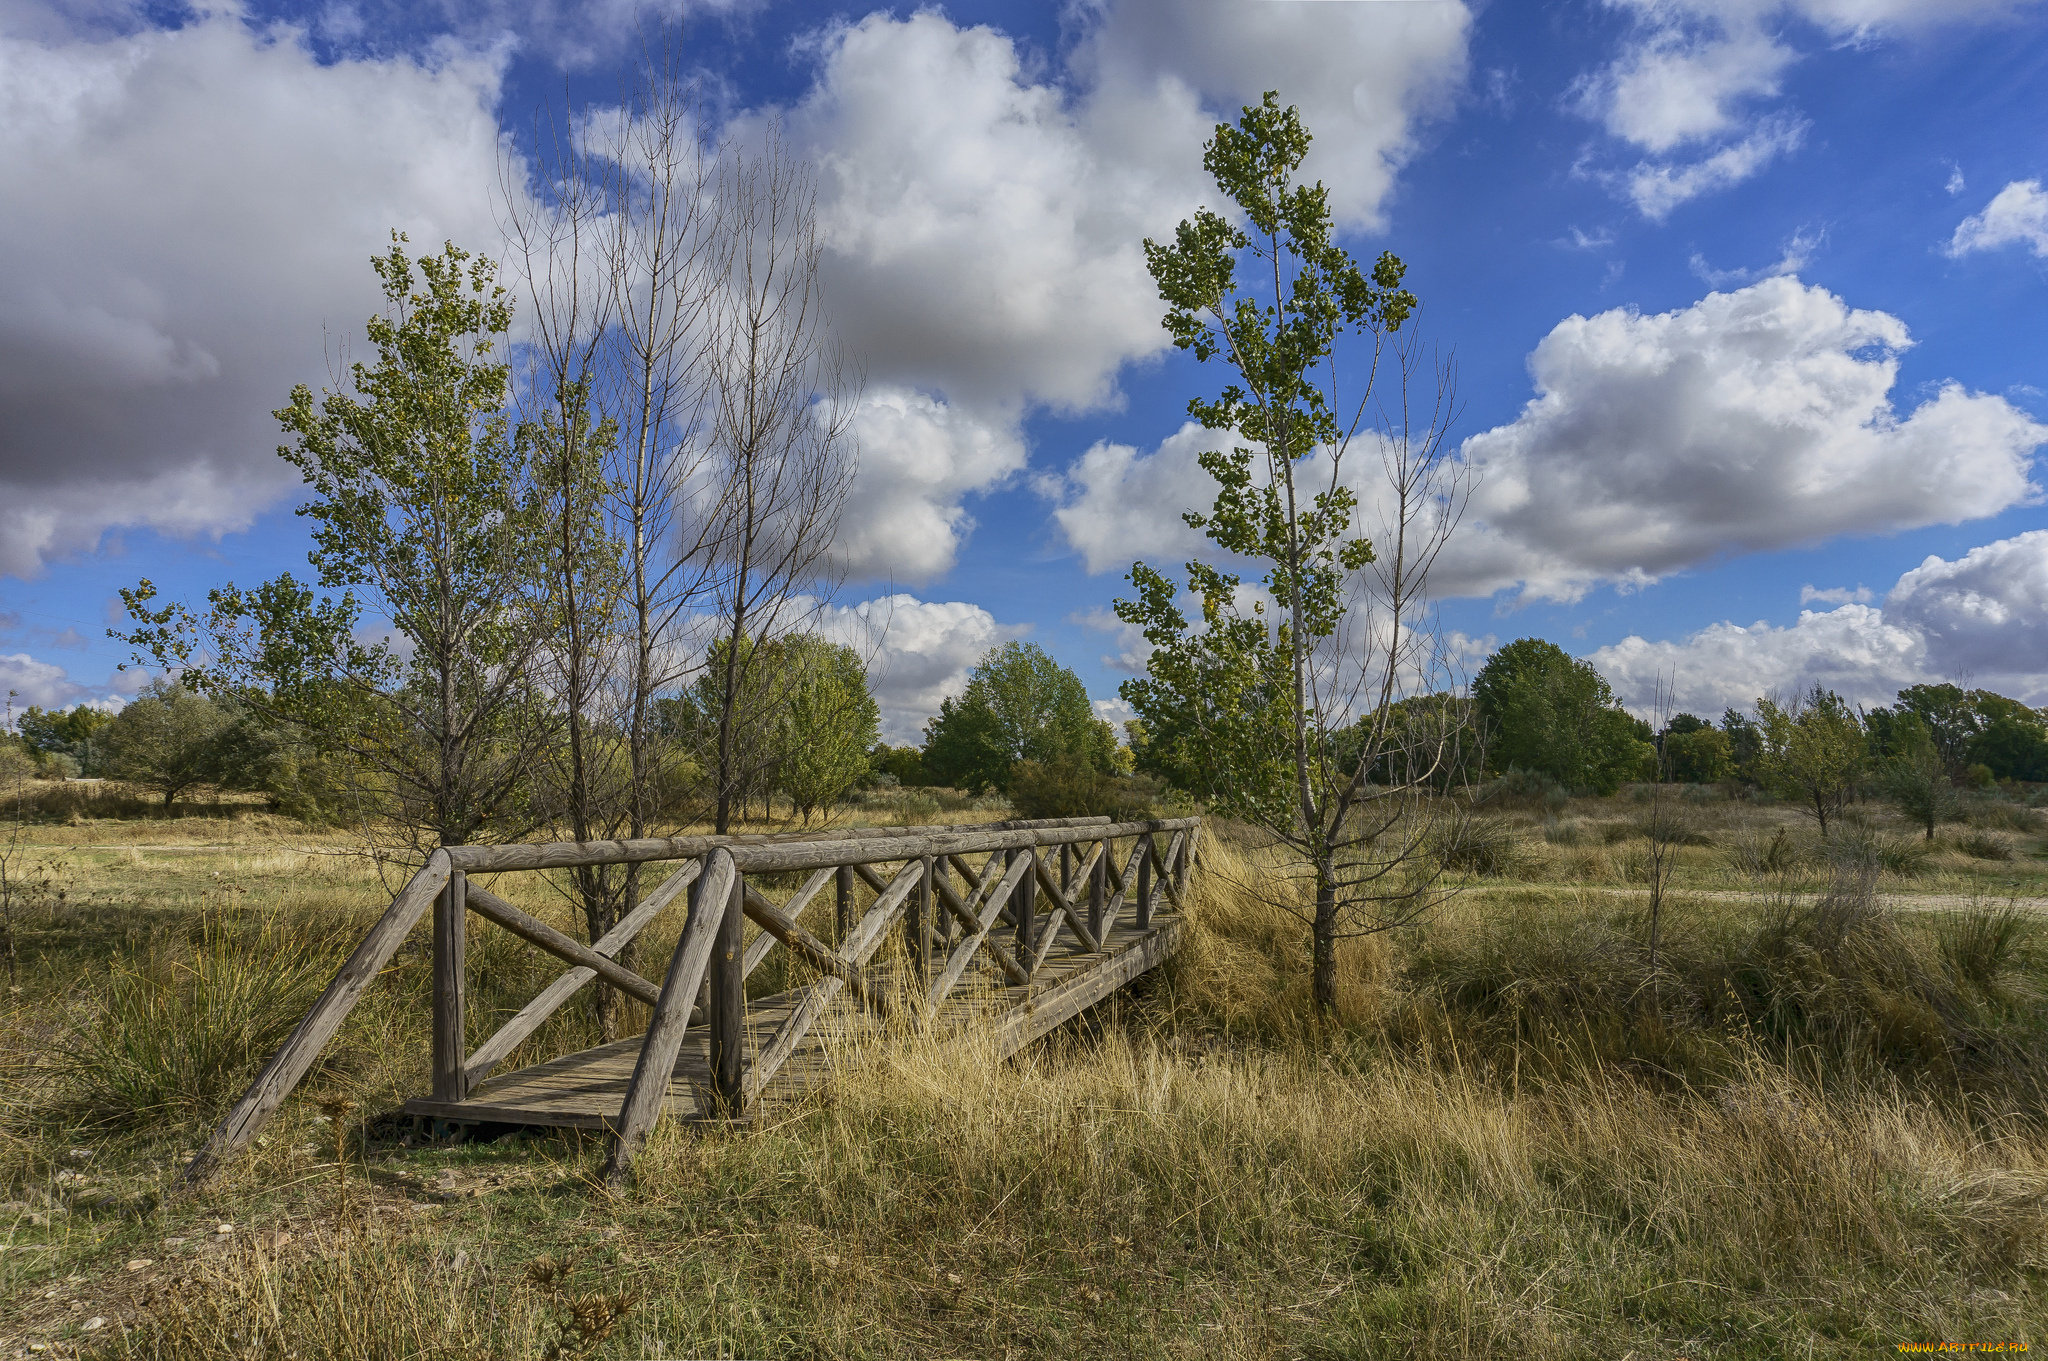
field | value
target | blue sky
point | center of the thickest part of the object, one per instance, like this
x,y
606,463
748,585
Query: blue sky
x,y
1774,272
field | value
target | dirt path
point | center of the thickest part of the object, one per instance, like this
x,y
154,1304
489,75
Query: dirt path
x,y
1929,902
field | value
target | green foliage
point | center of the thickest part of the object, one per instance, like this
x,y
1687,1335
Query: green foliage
x,y
1813,752
1547,712
905,765
827,724
1700,755
1915,778
421,503
1019,705
180,1028
1073,789
2012,747
78,733
168,740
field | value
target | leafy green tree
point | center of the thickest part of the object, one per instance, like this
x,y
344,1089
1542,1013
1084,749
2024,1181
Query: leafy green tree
x,y
828,723
1700,756
1551,714
905,765
1915,778
2012,747
1949,716
420,504
1813,752
1242,705
1019,705
78,733
167,740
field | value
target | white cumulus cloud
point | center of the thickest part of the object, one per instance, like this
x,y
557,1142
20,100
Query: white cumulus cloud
x,y
918,652
918,458
1984,615
28,681
2018,214
1753,420
190,220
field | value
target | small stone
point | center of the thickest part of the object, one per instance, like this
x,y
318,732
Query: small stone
x,y
39,1346
829,1259
69,1178
223,1228
94,1324
140,1263
79,1155
174,1242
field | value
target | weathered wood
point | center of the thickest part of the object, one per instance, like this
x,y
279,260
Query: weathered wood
x,y
560,854
450,952
710,905
1145,882
792,909
1124,879
1073,918
1073,995
1187,860
289,1064
490,906
842,919
1066,868
1024,908
943,922
1167,877
859,945
917,920
814,952
1098,879
534,1014
729,1007
963,954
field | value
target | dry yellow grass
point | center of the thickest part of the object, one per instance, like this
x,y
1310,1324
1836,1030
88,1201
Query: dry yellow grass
x,y
1449,1170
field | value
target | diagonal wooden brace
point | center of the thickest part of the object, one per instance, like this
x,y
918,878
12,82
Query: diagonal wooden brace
x,y
491,907
811,950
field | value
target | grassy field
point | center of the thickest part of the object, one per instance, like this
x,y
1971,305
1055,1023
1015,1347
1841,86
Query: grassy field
x,y
1818,1128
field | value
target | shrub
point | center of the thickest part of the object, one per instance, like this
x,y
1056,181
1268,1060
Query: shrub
x,y
1480,845
1069,789
1564,832
1858,847
180,1029
1984,846
1778,854
1981,943
2001,815
1523,788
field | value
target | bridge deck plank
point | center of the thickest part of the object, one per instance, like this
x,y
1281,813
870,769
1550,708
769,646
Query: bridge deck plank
x,y
585,1090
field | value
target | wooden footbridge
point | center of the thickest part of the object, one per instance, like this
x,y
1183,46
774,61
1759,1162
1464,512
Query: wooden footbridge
x,y
1087,905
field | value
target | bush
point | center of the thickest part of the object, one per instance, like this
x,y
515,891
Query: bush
x,y
1982,943
2001,815
1480,845
1523,788
1068,789
1778,854
1857,847
1565,832
1984,846
179,1030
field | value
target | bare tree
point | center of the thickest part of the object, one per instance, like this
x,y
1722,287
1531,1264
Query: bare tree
x,y
623,257
781,403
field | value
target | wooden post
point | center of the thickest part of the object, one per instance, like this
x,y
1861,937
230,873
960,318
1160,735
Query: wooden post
x,y
729,1003
1067,868
843,908
1145,881
1098,880
655,1068
451,919
940,874
921,915
1024,907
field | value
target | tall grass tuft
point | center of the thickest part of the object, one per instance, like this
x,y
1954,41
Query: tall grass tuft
x,y
179,1028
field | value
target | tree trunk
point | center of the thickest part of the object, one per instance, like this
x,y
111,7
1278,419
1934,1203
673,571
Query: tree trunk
x,y
1323,978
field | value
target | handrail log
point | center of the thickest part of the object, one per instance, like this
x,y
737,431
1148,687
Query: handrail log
x,y
789,855
289,1064
490,906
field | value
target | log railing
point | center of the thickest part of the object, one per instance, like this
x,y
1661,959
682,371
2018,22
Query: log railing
x,y
1079,894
